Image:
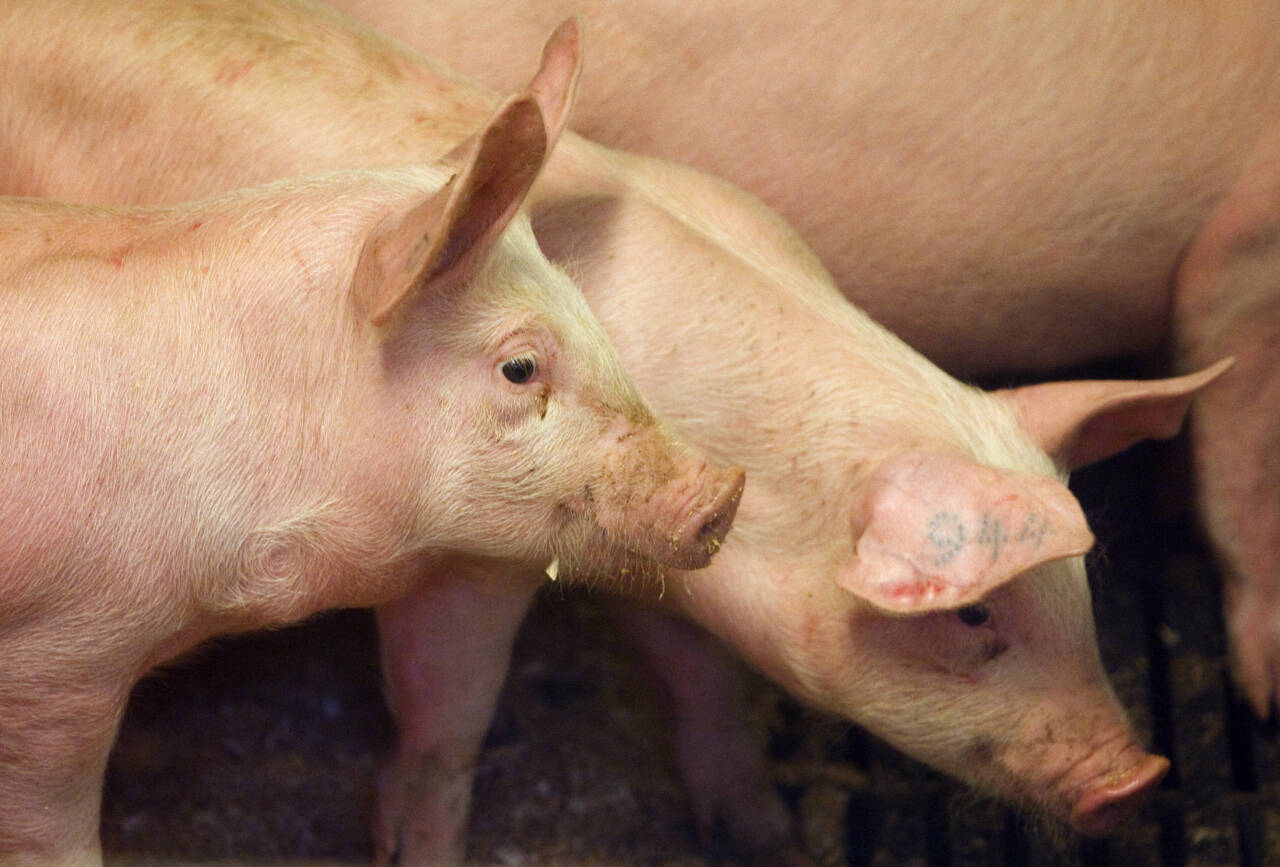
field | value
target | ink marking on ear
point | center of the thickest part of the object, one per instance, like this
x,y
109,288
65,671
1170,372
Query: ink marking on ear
x,y
1034,529
947,533
992,534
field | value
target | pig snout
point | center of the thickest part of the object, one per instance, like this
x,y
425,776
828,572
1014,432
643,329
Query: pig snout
x,y
683,519
1095,783
706,518
1117,796
1096,786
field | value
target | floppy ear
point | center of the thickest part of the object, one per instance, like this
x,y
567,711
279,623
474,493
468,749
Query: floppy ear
x,y
443,239
936,531
555,84
1080,422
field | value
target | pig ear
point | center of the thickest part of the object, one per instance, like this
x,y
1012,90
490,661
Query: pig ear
x,y
555,84
1078,423
941,531
442,240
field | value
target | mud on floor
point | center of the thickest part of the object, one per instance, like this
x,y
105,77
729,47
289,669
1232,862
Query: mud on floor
x,y
263,749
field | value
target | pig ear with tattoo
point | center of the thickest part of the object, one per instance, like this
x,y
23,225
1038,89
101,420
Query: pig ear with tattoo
x,y
940,531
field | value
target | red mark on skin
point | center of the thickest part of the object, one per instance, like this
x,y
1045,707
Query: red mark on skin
x,y
928,587
197,224
117,258
232,71
810,626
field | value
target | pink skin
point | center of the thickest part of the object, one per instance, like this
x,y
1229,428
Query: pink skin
x,y
764,366
1006,191
721,760
440,718
337,425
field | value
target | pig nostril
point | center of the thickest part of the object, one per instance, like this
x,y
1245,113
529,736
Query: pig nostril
x,y
717,520
696,540
712,534
714,530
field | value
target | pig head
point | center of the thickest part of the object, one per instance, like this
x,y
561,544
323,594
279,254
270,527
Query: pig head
x,y
569,443
949,610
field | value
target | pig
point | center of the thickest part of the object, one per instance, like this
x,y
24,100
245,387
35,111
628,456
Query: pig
x,y
312,394
1006,189
737,335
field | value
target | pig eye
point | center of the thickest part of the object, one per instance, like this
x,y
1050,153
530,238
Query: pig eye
x,y
974,615
519,370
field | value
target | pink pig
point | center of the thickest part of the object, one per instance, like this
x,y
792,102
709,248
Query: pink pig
x,y
1005,188
886,496
235,413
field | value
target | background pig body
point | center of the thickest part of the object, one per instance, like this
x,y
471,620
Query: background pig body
x,y
730,323
1006,189
967,171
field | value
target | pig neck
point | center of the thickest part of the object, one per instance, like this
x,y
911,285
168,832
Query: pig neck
x,y
681,268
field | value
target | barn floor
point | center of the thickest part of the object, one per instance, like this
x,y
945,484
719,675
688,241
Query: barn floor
x,y
262,749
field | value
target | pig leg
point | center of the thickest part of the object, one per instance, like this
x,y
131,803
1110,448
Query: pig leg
x,y
720,757
55,736
445,652
1227,303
